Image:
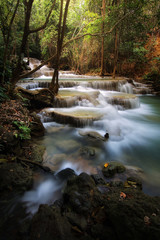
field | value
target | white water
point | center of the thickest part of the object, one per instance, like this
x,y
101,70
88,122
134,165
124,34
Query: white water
x,y
45,191
134,139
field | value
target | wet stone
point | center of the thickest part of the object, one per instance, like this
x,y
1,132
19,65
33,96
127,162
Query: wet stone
x,y
113,168
98,179
65,174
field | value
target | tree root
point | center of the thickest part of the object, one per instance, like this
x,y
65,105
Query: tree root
x,y
46,169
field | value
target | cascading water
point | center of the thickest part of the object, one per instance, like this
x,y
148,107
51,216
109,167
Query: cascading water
x,y
96,104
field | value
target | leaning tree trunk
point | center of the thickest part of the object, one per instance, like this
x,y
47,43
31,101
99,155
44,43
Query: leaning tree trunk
x,y
26,32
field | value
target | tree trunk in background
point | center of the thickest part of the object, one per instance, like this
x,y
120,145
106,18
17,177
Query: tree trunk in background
x,y
54,86
102,46
116,47
115,54
6,41
26,32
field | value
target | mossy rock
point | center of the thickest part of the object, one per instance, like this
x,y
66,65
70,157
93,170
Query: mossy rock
x,y
113,168
13,177
37,153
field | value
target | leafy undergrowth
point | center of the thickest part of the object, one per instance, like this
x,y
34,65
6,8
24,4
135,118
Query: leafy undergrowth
x,y
15,123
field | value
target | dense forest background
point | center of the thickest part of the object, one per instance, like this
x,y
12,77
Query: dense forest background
x,y
90,36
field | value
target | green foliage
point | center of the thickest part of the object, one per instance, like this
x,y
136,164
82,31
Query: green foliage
x,y
25,101
23,130
3,94
154,75
83,17
139,54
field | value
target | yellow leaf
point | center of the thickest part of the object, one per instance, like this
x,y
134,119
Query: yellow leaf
x,y
106,165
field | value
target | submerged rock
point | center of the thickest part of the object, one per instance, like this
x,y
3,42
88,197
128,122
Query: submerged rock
x,y
94,135
87,151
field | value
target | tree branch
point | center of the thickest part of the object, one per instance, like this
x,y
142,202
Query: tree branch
x,y
73,39
46,22
37,68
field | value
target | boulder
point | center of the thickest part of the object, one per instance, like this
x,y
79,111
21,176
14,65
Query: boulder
x,y
49,224
37,128
39,98
78,193
37,153
112,169
15,178
65,174
94,135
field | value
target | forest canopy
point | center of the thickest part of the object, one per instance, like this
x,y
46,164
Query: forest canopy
x,y
100,36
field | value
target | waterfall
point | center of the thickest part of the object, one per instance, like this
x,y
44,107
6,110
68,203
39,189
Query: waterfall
x,y
126,88
43,71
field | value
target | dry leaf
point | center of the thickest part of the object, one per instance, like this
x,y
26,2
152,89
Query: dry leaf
x,y
106,165
123,195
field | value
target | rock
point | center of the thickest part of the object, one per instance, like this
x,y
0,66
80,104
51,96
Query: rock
x,y
87,151
37,128
106,135
78,193
94,135
133,182
38,152
14,177
98,179
67,145
39,99
113,168
65,174
76,117
116,184
49,224
77,220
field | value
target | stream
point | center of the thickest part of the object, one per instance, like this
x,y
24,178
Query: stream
x,y
97,106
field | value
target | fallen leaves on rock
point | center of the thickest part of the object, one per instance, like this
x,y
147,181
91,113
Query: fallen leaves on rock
x,y
123,195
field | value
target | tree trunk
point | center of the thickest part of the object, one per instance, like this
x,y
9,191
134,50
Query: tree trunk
x,y
54,86
28,8
115,54
6,41
115,48
102,46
